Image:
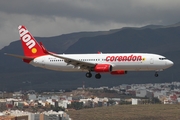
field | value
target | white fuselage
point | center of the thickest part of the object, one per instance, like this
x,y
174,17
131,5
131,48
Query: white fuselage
x,y
124,61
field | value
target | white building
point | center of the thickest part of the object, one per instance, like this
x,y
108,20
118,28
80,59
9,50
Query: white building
x,y
34,116
178,99
105,99
160,93
63,103
136,101
50,101
141,93
85,100
32,97
52,115
1,114
115,99
17,95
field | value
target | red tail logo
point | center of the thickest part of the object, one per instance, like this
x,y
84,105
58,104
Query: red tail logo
x,y
30,45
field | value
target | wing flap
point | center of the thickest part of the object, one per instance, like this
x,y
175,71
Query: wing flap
x,y
75,63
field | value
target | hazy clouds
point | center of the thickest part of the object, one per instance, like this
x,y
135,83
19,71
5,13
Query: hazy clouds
x,y
55,17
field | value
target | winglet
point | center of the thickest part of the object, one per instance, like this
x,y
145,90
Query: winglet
x,y
99,52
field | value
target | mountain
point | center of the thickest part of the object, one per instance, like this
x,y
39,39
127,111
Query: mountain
x,y
16,75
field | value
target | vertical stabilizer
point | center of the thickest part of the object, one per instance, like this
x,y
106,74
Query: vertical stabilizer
x,y
30,46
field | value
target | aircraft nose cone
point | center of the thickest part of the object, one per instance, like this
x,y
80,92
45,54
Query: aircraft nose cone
x,y
169,63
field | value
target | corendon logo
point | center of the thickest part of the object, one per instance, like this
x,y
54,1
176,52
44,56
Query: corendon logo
x,y
26,37
124,58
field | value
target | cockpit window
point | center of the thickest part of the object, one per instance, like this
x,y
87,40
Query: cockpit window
x,y
162,58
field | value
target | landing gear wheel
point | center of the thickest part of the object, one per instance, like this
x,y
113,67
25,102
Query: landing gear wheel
x,y
156,75
88,75
98,76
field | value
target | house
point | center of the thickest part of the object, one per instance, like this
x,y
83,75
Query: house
x,y
136,101
141,93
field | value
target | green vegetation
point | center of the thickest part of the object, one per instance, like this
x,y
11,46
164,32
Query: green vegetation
x,y
57,108
129,112
76,105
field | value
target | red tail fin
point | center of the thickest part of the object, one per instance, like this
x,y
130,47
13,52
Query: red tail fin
x,y
30,46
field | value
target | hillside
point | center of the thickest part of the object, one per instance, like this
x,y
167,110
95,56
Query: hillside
x,y
16,75
94,93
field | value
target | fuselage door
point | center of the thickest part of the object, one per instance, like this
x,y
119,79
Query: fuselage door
x,y
151,61
43,64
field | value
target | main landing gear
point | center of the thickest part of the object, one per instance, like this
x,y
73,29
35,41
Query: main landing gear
x,y
98,76
89,75
156,74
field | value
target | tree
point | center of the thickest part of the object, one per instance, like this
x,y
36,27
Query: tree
x,y
76,105
58,109
155,101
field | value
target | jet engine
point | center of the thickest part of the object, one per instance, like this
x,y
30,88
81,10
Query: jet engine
x,y
119,72
100,68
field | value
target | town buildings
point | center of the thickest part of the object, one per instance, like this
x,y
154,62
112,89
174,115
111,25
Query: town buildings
x,y
37,104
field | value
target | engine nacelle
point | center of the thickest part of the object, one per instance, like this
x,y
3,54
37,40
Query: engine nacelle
x,y
100,68
119,72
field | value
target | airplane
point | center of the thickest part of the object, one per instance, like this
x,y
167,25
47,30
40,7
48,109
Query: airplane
x,y
114,63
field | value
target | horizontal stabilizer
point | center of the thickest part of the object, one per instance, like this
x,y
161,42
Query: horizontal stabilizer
x,y
19,56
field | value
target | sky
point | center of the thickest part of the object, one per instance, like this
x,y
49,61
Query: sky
x,y
45,18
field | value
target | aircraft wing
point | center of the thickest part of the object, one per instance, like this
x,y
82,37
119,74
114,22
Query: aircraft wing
x,y
19,56
75,63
